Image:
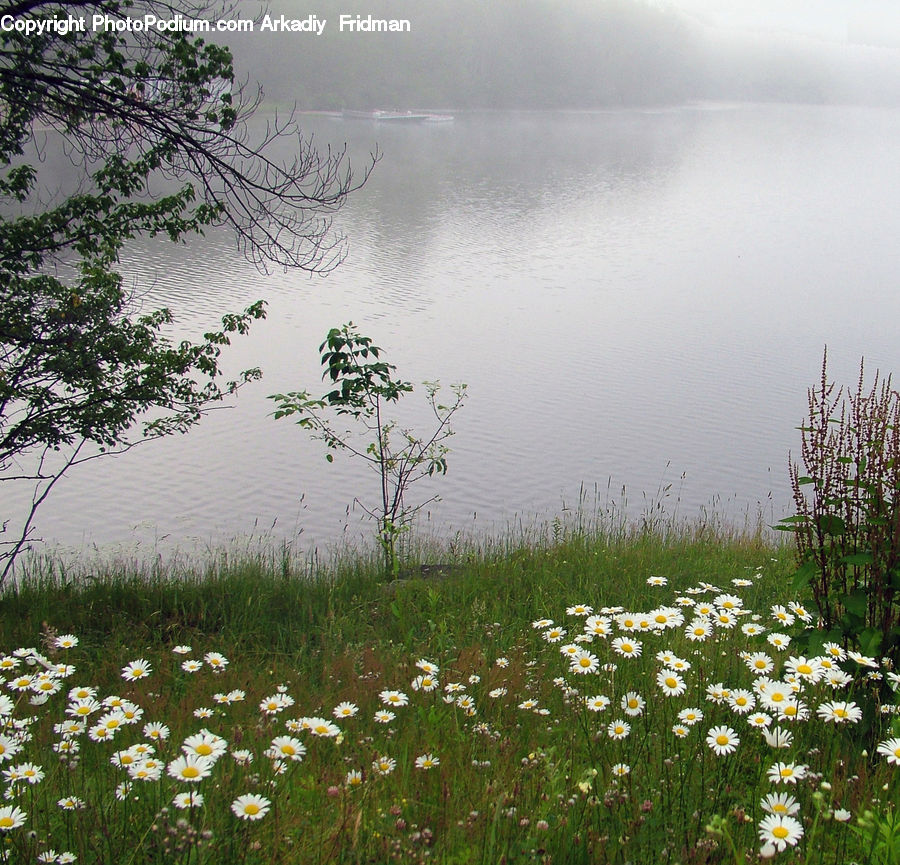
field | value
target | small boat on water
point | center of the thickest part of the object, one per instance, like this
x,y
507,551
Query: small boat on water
x,y
396,116
400,117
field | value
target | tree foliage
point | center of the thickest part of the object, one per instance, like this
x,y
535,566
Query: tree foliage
x,y
364,389
160,143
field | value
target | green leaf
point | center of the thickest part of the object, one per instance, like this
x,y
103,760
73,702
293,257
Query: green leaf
x,y
832,525
870,641
855,603
804,575
857,559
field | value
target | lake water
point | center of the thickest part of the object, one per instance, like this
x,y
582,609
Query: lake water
x,y
635,298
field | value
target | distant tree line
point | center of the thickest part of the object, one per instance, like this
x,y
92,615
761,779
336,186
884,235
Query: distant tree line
x,y
530,54
500,54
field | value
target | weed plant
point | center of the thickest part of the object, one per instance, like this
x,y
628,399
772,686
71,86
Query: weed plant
x,y
847,525
563,697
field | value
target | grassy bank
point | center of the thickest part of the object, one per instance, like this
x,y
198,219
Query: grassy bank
x,y
438,718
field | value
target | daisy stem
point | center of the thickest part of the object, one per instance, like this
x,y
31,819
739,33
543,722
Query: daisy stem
x,y
739,858
810,845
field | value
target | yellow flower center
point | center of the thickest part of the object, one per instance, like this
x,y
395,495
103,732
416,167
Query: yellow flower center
x,y
632,703
780,832
204,749
804,669
779,808
787,772
585,662
841,713
190,772
721,739
6,822
671,682
251,808
627,647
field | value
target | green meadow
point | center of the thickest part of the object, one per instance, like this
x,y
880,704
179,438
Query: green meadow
x,y
567,695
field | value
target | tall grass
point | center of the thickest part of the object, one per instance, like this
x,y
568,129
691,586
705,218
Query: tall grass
x,y
509,758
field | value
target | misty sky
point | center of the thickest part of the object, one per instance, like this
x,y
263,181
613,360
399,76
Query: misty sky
x,y
872,22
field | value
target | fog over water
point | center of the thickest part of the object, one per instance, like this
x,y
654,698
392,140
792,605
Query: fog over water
x,y
633,242
633,296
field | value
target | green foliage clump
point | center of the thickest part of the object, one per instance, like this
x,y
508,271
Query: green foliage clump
x,y
847,525
364,386
153,136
